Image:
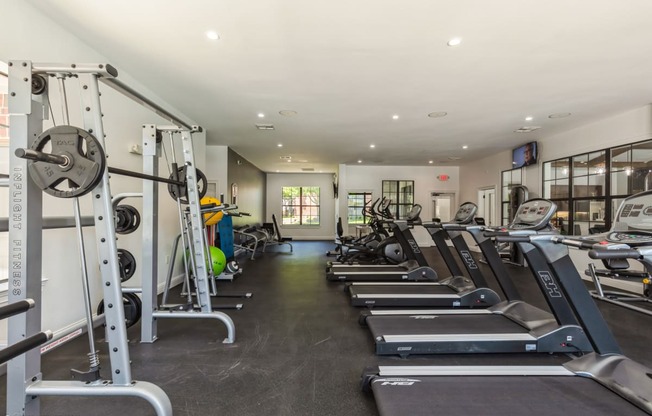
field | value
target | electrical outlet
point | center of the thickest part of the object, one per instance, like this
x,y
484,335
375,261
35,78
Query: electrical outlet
x,y
167,259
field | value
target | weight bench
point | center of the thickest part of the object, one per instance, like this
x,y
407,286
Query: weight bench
x,y
274,235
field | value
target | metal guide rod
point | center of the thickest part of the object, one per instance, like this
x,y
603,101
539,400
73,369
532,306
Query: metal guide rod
x,y
93,357
185,236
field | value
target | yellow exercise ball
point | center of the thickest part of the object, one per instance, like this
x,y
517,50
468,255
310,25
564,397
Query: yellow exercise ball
x,y
212,218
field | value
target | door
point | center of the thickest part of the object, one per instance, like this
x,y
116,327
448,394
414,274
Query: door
x,y
487,205
443,206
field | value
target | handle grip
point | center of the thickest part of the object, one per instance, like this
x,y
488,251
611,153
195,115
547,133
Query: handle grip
x,y
627,253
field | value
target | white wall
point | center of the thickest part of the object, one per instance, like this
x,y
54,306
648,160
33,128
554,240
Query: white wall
x,y
370,178
35,37
326,228
354,178
217,163
631,126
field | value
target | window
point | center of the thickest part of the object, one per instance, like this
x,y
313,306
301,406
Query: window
x,y
356,202
401,193
588,188
510,178
300,205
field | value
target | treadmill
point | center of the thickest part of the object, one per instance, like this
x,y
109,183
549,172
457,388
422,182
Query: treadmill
x,y
510,326
455,291
601,383
415,268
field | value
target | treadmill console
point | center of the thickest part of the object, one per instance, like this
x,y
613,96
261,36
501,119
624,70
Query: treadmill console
x,y
631,238
465,213
533,214
635,213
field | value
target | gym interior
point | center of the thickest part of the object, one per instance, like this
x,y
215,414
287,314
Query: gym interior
x,y
325,208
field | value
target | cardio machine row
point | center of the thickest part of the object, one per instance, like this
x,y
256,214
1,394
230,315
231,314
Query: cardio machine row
x,y
573,325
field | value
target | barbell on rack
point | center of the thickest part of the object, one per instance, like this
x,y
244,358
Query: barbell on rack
x,y
68,153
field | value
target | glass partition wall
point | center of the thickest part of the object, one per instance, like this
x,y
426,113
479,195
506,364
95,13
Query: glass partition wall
x,y
588,188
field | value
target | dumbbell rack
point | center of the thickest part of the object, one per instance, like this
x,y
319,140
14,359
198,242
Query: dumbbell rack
x,y
24,379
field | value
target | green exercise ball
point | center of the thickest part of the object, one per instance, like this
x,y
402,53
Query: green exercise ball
x,y
218,260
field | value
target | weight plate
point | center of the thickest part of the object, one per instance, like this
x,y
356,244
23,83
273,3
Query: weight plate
x,y
127,219
181,192
132,308
135,215
86,162
127,263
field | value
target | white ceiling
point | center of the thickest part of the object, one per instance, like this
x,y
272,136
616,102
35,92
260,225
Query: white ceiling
x,y
346,67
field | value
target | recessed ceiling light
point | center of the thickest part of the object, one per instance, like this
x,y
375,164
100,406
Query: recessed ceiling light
x,y
437,114
529,118
279,145
395,117
559,115
277,171
372,146
289,160
212,35
454,42
261,115
359,161
288,113
430,161
465,147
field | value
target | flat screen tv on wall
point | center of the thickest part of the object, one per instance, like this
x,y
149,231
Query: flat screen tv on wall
x,y
525,155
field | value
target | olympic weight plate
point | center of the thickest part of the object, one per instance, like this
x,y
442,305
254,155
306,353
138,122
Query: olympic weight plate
x,y
132,308
81,174
127,263
127,219
181,192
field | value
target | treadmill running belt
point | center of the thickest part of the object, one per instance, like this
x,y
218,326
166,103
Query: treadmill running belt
x,y
443,324
408,289
363,269
498,396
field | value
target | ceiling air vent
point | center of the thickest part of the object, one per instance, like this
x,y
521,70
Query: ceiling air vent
x,y
308,169
286,157
527,129
265,126
454,158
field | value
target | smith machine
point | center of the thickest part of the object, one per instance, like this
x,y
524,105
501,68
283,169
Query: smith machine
x,y
69,162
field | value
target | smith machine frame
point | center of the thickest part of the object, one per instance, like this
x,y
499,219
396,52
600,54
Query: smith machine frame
x,y
27,89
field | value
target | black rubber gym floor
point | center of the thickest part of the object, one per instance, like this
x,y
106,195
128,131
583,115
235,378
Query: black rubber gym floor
x,y
299,348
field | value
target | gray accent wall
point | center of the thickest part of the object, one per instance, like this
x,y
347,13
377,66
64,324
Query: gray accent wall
x,y
252,185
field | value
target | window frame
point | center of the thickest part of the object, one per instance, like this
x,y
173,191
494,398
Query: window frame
x,y
367,197
602,205
301,206
398,204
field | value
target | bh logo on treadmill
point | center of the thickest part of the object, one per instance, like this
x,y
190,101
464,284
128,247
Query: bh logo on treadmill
x,y
549,283
397,381
468,259
414,246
